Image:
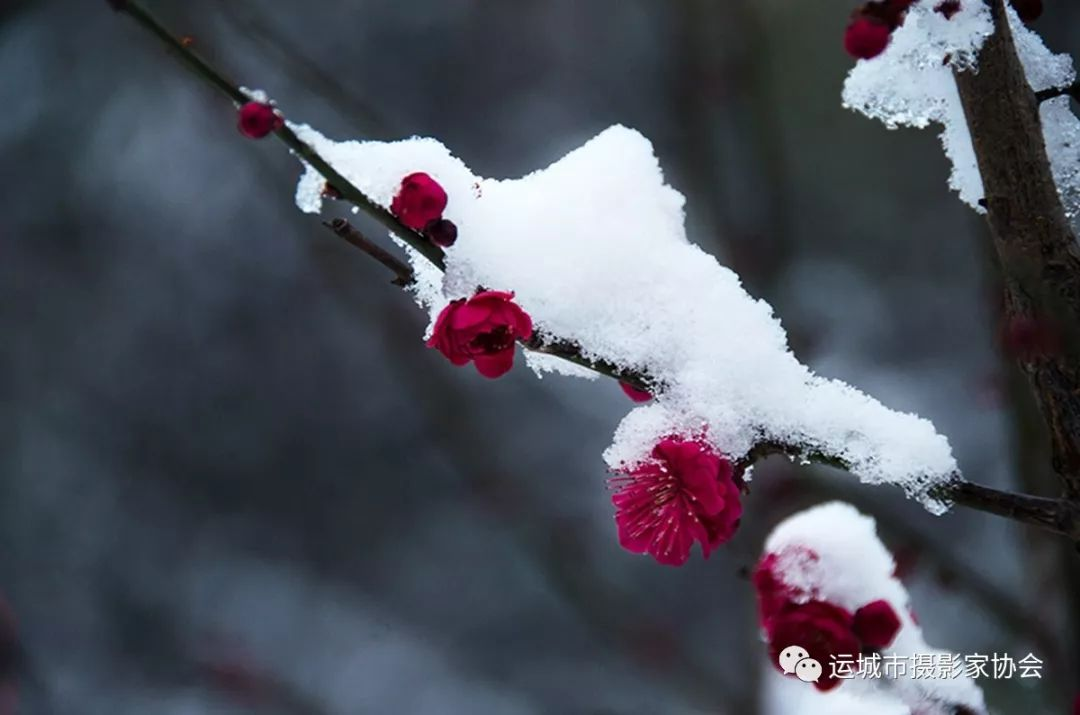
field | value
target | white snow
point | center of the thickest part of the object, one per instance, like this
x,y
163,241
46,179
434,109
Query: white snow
x,y
256,95
596,251
853,569
784,696
911,84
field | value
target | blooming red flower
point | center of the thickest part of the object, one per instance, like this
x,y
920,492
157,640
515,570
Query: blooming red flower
x,y
866,37
876,624
419,201
635,394
257,119
1027,10
684,493
483,330
773,593
820,628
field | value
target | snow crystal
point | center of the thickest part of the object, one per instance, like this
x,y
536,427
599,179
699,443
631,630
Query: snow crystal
x,y
256,95
595,249
911,84
854,568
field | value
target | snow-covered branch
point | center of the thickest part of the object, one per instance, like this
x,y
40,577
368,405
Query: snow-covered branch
x,y
602,265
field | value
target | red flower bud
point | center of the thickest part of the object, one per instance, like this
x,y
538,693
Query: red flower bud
x,y
257,119
948,8
481,330
419,201
821,628
876,624
1027,10
866,37
441,231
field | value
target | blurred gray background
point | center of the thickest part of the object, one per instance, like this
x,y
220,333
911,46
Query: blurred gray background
x,y
234,480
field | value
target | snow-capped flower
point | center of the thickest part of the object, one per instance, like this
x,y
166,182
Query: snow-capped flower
x,y
866,37
773,593
876,624
684,493
635,394
820,628
481,330
798,616
257,119
441,231
419,201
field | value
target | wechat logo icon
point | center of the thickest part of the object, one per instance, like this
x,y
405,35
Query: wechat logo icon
x,y
795,660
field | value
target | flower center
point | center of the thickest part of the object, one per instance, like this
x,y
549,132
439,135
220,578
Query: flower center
x,y
492,341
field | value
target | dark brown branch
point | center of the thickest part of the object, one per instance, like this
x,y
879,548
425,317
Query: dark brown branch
x,y
1060,516
1035,244
402,271
1072,90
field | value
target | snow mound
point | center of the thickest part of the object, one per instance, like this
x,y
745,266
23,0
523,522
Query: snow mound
x,y
595,249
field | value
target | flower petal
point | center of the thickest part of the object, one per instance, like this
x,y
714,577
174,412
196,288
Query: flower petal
x,y
495,364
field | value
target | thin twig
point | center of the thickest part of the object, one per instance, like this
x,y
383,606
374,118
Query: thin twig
x,y
420,243
305,151
402,271
1058,516
1072,90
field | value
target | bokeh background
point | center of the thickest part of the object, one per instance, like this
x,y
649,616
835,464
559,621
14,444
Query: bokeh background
x,y
233,479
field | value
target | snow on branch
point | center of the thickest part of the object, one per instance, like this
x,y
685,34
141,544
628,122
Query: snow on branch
x,y
594,248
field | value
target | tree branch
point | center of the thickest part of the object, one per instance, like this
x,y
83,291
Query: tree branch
x,y
1035,244
404,276
1072,90
1058,516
